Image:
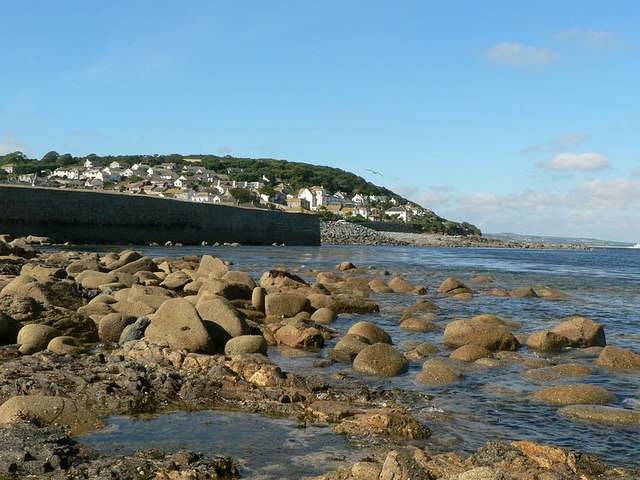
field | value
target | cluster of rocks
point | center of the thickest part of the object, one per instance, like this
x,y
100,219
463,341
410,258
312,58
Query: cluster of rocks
x,y
347,233
193,333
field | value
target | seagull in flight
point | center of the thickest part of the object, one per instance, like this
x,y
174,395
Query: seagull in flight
x,y
374,172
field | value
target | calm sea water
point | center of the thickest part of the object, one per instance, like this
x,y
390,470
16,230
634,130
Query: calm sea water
x,y
602,284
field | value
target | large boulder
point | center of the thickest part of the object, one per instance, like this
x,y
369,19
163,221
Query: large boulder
x,y
380,359
222,319
66,345
227,289
48,411
399,285
324,315
114,261
285,305
93,279
35,338
582,332
178,324
212,267
616,357
59,293
556,372
453,286
371,332
575,394
144,264
601,414
298,334
474,332
470,353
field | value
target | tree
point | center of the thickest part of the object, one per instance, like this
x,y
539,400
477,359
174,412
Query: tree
x,y
50,157
14,157
65,159
242,195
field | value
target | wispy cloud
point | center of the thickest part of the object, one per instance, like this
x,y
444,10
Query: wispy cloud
x,y
568,141
518,55
586,162
532,149
9,144
591,39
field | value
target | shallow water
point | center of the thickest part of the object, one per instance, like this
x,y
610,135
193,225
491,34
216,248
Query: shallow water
x,y
492,403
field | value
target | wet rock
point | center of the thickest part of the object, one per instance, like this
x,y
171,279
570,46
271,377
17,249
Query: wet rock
x,y
551,293
346,265
421,351
383,422
582,332
245,344
575,394
420,307
371,332
331,411
277,280
437,371
47,411
324,315
619,358
474,332
178,324
65,345
285,305
135,331
298,335
601,414
379,286
470,353
35,338
559,371
380,359
547,341
405,464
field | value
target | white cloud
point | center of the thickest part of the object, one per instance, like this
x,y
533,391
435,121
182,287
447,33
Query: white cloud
x,y
636,172
587,162
519,55
435,196
591,39
9,144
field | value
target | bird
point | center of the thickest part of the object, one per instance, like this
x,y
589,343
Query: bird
x,y
374,172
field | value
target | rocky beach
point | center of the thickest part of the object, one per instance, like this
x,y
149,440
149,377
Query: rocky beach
x,y
86,336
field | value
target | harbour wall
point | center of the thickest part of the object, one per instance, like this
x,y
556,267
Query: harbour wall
x,y
101,217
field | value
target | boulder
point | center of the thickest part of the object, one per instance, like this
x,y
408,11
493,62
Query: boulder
x,y
473,332
178,324
277,280
453,286
135,309
575,394
547,341
400,285
299,335
470,353
616,357
115,261
371,332
35,338
144,264
82,265
346,265
348,347
343,303
523,292
246,344
582,332
380,359
68,322
387,422
437,371
258,295
559,371
59,293
176,281
421,306
65,345
227,289
212,267
324,315
222,320
93,279
285,304
418,325
42,273
601,414
111,326
49,411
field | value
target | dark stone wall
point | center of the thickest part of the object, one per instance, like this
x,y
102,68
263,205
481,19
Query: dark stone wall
x,y
101,217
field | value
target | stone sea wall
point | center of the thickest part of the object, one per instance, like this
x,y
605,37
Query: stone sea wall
x,y
100,217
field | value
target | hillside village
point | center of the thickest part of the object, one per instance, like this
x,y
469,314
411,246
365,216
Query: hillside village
x,y
193,182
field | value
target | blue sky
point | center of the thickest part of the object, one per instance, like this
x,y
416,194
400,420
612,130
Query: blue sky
x,y
519,116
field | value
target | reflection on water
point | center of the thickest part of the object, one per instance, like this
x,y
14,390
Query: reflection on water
x,y
490,403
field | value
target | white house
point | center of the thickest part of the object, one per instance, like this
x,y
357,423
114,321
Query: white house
x,y
115,165
88,163
359,199
203,197
401,212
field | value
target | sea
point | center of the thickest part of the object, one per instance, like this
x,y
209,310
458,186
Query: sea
x,y
489,404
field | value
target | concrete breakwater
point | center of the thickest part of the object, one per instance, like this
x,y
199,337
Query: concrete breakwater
x,y
101,217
